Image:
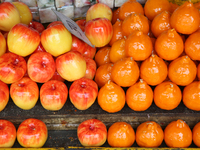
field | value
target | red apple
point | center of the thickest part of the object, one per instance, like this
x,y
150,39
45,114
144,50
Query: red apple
x,y
99,31
81,23
99,10
24,93
23,40
53,95
9,16
32,133
91,68
4,95
56,76
71,65
54,23
83,93
40,48
92,132
37,26
41,67
12,67
7,134
2,44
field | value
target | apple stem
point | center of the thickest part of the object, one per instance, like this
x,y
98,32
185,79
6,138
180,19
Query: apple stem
x,y
53,86
16,61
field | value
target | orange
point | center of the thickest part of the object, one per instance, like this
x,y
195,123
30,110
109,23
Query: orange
x,y
185,19
125,72
196,134
167,95
102,56
111,97
121,134
154,7
198,71
173,6
130,7
192,46
160,23
139,96
135,22
117,50
117,32
191,96
178,134
138,45
197,5
199,22
182,71
153,70
103,74
169,45
149,134
115,15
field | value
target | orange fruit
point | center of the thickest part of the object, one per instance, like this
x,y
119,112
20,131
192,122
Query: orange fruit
x,y
196,134
117,50
167,95
199,22
117,32
154,7
192,46
198,71
130,7
125,72
103,74
160,23
169,45
121,134
185,19
139,96
173,6
149,134
115,15
182,71
135,22
102,56
191,96
111,97
197,5
138,45
178,134
153,70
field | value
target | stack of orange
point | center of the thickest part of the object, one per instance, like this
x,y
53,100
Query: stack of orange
x,y
152,46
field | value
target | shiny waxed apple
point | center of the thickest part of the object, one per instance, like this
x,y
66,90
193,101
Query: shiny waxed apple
x,y
4,95
91,68
2,44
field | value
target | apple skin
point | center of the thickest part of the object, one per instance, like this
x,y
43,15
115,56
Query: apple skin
x,y
41,67
56,40
2,44
12,67
4,95
99,10
32,133
56,76
99,31
24,12
92,132
71,66
53,95
9,16
23,40
8,134
24,93
37,26
91,68
40,48
54,23
81,23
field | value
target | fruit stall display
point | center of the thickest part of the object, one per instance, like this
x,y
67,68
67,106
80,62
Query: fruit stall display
x,y
134,85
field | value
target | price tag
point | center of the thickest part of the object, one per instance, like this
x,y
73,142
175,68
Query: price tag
x,y
73,27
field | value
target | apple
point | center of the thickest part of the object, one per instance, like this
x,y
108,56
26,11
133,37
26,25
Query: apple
x,y
56,76
83,93
54,23
37,26
71,66
82,47
2,44
9,16
53,95
92,132
81,23
23,40
91,68
99,10
32,133
7,134
4,95
24,12
40,48
99,31
41,67
56,40
12,67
